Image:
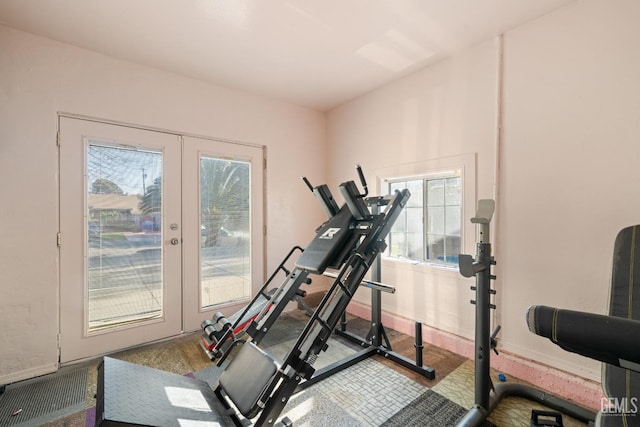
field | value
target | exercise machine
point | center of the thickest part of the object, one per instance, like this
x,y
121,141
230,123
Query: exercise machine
x,y
221,334
254,387
487,395
612,339
376,341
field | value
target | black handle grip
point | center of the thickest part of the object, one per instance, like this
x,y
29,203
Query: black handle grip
x,y
362,181
306,181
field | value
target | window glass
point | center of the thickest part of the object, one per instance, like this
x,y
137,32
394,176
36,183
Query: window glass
x,y
225,231
453,191
435,192
430,226
398,244
452,220
415,246
435,220
417,193
124,235
453,249
435,247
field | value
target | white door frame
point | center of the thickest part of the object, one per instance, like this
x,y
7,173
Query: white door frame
x,y
180,261
193,149
76,342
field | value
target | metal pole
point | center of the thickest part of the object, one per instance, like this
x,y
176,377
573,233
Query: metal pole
x,y
418,345
483,325
481,269
376,295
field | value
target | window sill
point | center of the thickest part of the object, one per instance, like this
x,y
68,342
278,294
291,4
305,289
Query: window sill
x,y
450,270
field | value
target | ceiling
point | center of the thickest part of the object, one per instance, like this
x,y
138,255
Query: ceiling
x,y
315,53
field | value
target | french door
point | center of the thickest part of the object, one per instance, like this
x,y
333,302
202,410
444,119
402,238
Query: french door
x,y
225,216
158,230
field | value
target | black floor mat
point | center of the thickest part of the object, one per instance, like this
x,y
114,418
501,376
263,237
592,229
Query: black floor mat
x,y
429,410
40,400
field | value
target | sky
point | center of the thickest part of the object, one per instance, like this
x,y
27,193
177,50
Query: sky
x,y
131,169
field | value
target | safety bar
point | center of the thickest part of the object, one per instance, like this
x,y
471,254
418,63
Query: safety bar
x,y
371,284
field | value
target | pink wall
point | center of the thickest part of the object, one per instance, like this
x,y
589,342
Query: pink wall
x,y
40,77
566,178
567,174
447,110
569,165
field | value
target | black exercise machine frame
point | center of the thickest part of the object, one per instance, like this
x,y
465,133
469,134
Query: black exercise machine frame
x,y
487,395
254,386
376,341
350,241
368,232
226,338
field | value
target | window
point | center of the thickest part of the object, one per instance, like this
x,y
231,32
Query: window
x,y
430,226
433,228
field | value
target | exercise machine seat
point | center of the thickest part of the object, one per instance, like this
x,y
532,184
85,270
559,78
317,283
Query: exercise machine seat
x,y
613,339
248,378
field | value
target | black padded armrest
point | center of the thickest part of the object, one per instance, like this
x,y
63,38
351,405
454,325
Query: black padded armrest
x,y
609,339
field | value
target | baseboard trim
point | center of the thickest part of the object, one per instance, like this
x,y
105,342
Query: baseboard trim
x,y
28,373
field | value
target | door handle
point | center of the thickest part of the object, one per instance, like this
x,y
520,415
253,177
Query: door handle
x,y
174,241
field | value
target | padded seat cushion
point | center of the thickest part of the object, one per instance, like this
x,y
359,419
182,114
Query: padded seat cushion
x,y
245,380
328,243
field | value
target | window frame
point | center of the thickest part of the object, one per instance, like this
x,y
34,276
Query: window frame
x,y
463,166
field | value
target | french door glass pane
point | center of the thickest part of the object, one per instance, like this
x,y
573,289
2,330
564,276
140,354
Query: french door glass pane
x,y
225,225
124,235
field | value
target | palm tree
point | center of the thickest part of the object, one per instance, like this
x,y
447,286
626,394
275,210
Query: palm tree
x,y
223,188
151,201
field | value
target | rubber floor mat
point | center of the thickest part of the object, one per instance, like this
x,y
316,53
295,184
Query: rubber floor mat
x,y
39,400
429,410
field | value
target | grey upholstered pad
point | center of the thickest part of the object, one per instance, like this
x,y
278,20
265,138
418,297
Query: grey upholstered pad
x,y
618,383
246,378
